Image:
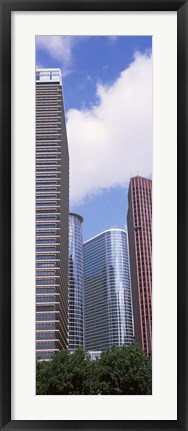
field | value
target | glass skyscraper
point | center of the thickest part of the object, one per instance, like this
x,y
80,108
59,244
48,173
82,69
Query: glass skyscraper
x,y
52,215
108,315
76,282
139,221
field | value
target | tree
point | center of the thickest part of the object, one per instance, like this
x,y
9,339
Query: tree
x,y
43,373
125,371
91,378
67,373
119,371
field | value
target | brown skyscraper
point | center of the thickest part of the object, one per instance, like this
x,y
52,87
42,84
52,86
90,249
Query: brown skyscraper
x,y
139,221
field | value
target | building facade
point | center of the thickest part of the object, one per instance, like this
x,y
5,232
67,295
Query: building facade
x,y
139,222
76,283
52,215
108,319
93,355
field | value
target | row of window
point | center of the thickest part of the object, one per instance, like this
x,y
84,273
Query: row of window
x,y
48,299
47,316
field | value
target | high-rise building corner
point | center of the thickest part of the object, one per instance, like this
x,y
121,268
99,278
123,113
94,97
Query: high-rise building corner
x,y
52,215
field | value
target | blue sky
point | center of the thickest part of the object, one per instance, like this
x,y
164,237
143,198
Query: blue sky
x,y
107,87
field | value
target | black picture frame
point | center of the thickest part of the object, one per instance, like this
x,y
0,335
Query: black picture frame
x,y
6,7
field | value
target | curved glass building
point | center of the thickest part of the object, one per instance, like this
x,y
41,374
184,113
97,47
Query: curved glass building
x,y
76,284
108,317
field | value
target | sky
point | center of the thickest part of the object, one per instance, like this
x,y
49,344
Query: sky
x,y
107,89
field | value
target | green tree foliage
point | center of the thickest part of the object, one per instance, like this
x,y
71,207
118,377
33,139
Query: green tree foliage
x,y
125,371
43,373
119,371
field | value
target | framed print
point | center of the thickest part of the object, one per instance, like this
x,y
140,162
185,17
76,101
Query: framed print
x,y
93,286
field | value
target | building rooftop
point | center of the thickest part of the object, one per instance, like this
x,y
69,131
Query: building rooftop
x,y
105,231
46,75
77,215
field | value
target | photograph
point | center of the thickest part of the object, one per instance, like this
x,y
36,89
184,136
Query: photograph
x,y
93,214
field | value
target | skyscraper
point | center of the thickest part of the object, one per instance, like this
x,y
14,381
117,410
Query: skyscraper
x,y
52,215
108,317
140,247
76,282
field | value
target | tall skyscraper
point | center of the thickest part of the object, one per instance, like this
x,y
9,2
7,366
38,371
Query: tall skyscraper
x,y
52,215
140,247
108,316
76,282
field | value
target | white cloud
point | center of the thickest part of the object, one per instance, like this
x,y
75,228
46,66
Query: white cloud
x,y
113,140
65,72
58,47
39,66
112,39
